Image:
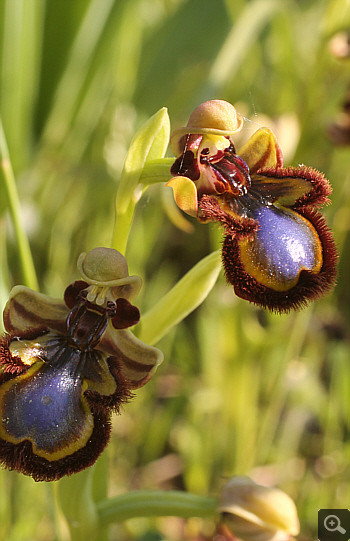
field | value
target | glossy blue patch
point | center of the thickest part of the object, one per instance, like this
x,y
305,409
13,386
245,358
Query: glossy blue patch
x,y
45,406
285,244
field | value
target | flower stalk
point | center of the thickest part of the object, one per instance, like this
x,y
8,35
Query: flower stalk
x,y
149,143
148,503
155,171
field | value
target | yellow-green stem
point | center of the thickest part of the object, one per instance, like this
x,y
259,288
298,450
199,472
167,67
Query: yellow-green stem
x,y
157,503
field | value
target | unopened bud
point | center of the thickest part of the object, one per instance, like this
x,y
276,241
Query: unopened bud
x,y
257,513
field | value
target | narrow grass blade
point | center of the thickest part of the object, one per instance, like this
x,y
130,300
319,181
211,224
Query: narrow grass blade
x,y
20,72
10,188
243,34
76,505
71,84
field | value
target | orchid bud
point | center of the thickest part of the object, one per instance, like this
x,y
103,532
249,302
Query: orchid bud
x,y
254,512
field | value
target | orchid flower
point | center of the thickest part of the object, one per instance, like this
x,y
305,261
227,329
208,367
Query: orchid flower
x,y
277,251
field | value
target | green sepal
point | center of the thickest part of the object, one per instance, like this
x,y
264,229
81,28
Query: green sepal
x,y
149,143
181,300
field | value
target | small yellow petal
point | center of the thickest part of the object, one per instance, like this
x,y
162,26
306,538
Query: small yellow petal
x,y
27,309
174,213
138,360
185,194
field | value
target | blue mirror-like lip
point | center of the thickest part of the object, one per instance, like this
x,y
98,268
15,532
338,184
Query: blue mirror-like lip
x,y
56,407
308,285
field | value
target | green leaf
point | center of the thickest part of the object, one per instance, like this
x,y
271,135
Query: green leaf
x,y
4,275
149,143
181,300
76,505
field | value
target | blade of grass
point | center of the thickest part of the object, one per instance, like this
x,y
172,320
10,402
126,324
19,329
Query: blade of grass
x,y
75,502
278,397
20,71
24,252
4,274
74,77
237,44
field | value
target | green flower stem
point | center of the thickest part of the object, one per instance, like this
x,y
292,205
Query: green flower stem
x,y
156,171
122,228
153,171
148,145
25,256
75,506
155,503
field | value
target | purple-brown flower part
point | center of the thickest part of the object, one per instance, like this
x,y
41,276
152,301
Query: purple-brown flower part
x,y
278,251
66,366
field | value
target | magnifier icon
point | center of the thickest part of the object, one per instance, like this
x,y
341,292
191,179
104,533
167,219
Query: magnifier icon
x,y
332,524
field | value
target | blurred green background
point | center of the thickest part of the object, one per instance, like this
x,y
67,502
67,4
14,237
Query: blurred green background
x,y
241,391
